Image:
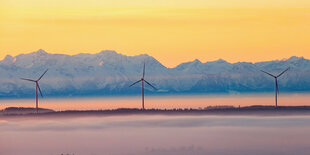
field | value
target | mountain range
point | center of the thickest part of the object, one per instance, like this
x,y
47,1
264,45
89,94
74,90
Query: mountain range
x,y
111,73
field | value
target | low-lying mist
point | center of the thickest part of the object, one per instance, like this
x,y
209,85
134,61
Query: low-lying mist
x,y
156,135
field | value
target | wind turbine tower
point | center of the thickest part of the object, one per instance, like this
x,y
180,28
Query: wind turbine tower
x,y
142,80
37,87
276,83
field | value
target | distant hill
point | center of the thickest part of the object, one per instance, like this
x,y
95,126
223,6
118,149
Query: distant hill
x,y
110,73
23,111
211,110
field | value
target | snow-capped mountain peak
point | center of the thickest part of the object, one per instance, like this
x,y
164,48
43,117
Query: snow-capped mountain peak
x,y
109,72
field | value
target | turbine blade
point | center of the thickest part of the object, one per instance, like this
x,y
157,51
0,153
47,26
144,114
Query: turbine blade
x,y
42,75
268,73
277,87
150,84
283,72
40,89
143,70
135,83
27,79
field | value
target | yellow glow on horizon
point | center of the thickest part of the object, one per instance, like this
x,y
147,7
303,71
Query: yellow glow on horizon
x,y
171,31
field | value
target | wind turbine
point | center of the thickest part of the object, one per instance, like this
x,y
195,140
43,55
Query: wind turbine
x,y
37,87
276,84
142,80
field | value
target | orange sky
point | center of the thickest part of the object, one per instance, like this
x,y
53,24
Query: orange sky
x,y
172,31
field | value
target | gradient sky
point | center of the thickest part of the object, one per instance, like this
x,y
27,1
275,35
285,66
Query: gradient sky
x,y
173,31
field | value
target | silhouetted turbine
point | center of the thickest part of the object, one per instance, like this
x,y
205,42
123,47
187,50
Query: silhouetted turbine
x,y
142,80
37,87
276,84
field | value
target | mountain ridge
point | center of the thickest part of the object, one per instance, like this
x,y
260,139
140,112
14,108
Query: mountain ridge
x,y
110,73
41,52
